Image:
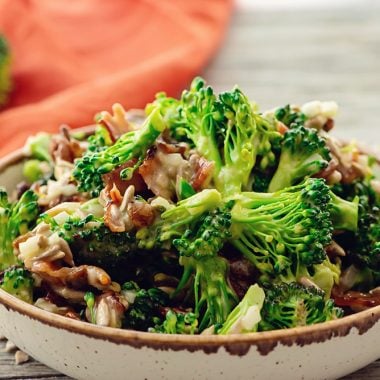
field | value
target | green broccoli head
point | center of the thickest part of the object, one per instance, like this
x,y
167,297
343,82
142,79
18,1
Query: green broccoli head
x,y
100,140
292,305
170,109
145,309
18,282
177,323
367,250
5,71
290,117
38,147
115,252
303,154
223,129
15,219
239,141
118,253
175,220
284,229
212,231
96,161
363,243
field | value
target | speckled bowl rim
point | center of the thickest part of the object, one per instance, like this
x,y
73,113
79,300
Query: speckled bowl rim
x,y
234,344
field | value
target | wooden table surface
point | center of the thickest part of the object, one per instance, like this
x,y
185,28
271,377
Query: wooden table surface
x,y
292,56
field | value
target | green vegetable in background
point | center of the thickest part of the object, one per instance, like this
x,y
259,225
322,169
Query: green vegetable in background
x,y
15,219
18,282
5,71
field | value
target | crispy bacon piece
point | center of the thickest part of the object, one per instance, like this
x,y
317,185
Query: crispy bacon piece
x,y
64,147
168,148
58,250
113,178
347,164
113,218
116,123
78,278
357,300
124,213
165,163
203,170
109,310
160,170
282,128
141,213
329,170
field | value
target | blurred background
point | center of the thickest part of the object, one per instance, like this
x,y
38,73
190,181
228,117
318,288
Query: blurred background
x,y
278,52
293,51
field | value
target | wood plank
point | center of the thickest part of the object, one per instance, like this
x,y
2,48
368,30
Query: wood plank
x,y
30,370
295,56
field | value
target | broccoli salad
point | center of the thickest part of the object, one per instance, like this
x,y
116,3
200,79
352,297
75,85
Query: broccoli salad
x,y
198,215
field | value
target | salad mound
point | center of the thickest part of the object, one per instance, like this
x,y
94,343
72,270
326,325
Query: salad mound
x,y
199,215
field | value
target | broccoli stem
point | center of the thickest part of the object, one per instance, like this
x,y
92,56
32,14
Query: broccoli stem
x,y
344,214
214,298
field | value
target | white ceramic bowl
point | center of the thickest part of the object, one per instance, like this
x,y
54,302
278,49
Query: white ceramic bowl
x,y
84,351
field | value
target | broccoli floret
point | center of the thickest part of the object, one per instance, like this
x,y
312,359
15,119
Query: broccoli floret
x,y
224,129
100,140
246,315
118,253
363,245
177,323
324,275
206,273
18,282
34,170
112,251
293,305
174,221
367,247
303,154
15,219
5,71
38,147
39,164
276,231
171,111
145,310
290,117
89,169
247,136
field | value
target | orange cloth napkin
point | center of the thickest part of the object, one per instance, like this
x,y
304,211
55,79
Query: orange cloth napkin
x,y
74,58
